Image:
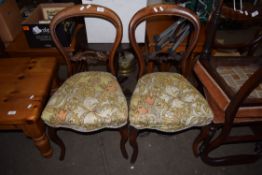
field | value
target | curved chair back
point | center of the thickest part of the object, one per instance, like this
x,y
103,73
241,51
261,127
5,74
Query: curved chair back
x,y
164,10
94,11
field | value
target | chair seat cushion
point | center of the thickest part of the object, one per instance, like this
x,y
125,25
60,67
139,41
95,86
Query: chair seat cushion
x,y
86,102
167,102
235,76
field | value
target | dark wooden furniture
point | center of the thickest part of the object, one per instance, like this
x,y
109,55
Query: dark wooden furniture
x,y
169,14
90,118
244,23
232,85
147,108
25,85
155,27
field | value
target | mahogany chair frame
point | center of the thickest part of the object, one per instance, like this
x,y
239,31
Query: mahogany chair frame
x,y
96,11
209,139
247,46
186,60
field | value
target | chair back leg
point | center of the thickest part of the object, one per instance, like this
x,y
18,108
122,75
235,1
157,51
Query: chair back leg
x,y
200,138
133,133
52,133
124,137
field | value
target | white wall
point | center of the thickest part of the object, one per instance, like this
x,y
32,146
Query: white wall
x,y
104,32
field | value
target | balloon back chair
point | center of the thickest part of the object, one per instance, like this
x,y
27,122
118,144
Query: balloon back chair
x,y
232,85
249,21
91,100
165,101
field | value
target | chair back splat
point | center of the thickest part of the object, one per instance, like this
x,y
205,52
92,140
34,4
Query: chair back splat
x,y
167,10
88,11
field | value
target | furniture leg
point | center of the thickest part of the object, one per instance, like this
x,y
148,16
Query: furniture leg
x,y
124,137
36,131
52,133
228,160
133,132
210,144
200,138
257,130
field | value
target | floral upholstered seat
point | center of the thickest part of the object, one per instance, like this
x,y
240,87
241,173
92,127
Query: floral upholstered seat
x,y
167,102
87,101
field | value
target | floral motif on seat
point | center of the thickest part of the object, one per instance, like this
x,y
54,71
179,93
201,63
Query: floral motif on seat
x,y
167,102
86,102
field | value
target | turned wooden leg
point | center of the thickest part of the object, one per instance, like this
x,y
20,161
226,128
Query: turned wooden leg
x,y
133,132
36,131
52,133
124,137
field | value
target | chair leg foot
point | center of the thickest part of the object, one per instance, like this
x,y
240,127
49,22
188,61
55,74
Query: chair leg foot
x,y
124,137
210,143
52,133
229,160
133,132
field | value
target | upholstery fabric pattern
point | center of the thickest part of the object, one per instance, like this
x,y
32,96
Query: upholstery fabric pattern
x,y
235,76
86,102
167,102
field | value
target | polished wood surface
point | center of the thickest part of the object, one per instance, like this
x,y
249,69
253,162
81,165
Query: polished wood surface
x,y
25,85
75,11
